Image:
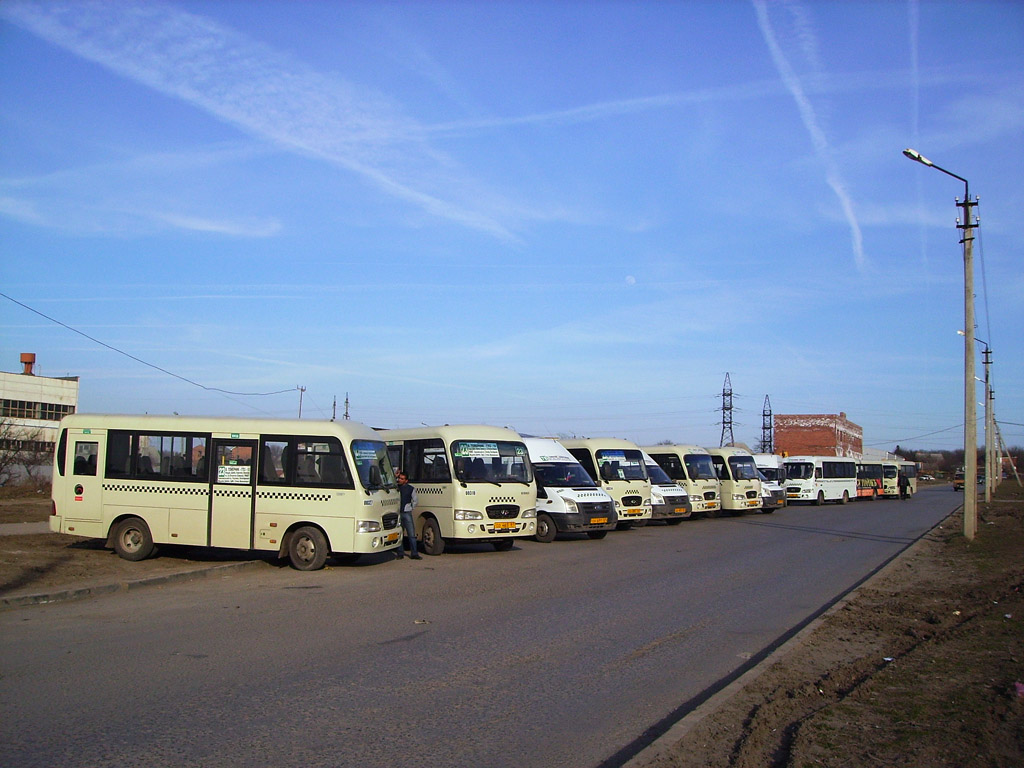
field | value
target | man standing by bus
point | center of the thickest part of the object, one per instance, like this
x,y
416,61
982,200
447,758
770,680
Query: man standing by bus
x,y
406,505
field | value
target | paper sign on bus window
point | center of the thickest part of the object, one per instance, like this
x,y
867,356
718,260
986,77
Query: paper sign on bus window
x,y
234,474
468,450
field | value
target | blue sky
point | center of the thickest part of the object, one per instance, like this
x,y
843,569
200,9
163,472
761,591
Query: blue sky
x,y
568,218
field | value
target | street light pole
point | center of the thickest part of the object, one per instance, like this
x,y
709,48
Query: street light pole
x,y
970,410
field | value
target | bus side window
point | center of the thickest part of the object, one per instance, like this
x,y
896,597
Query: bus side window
x,y
85,458
119,451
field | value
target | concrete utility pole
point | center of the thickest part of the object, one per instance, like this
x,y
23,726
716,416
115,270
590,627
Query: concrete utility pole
x,y
990,417
301,390
970,409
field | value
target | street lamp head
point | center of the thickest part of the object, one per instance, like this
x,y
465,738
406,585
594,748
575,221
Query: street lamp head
x,y
916,156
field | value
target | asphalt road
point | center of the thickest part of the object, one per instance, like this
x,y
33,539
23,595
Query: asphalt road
x,y
552,654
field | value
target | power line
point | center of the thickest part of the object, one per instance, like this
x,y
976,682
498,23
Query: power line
x,y
140,360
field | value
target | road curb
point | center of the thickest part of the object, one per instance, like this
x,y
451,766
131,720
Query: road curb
x,y
64,595
677,732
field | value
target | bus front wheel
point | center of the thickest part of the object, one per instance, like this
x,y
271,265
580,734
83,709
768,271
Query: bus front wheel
x,y
132,539
433,544
307,549
545,529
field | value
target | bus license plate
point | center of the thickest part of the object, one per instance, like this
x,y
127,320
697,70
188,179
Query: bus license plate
x,y
752,503
392,538
634,511
598,520
680,510
507,526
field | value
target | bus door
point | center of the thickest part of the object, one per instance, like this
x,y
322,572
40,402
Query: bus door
x,y
233,493
84,483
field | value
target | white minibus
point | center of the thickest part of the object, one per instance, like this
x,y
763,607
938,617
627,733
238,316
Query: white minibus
x,y
473,483
772,475
737,472
817,479
618,467
669,501
303,489
568,499
691,468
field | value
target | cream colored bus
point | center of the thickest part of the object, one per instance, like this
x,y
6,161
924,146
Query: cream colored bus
x,y
618,467
473,483
737,473
303,489
690,466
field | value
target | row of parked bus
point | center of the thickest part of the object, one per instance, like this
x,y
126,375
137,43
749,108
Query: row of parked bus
x,y
307,490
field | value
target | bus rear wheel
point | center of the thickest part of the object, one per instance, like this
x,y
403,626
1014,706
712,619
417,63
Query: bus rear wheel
x,y
545,529
307,549
433,544
132,539
820,500
845,499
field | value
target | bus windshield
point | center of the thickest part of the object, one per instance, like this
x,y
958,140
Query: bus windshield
x,y
742,468
799,471
563,474
621,464
658,476
491,461
699,466
372,464
773,474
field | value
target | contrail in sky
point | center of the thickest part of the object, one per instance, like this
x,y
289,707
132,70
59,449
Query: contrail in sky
x,y
810,120
263,92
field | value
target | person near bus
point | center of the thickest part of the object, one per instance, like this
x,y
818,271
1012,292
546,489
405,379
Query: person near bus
x,y
904,483
406,505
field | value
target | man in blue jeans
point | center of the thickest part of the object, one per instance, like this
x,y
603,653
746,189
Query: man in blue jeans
x,y
406,504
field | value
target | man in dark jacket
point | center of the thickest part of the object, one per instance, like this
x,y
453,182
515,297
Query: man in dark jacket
x,y
406,505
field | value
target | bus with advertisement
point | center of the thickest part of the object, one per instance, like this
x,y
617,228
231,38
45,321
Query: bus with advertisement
x,y
869,480
618,467
303,489
473,482
691,468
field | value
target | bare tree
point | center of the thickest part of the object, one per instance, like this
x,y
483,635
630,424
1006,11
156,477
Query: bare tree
x,y
22,446
10,448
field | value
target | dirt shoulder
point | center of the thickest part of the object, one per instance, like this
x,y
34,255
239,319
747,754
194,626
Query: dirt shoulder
x,y
52,563
924,665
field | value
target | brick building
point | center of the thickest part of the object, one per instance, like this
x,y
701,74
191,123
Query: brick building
x,y
818,434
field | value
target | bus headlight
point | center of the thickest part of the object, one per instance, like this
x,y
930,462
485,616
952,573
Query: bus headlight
x,y
647,502
570,507
529,513
367,526
739,497
468,514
